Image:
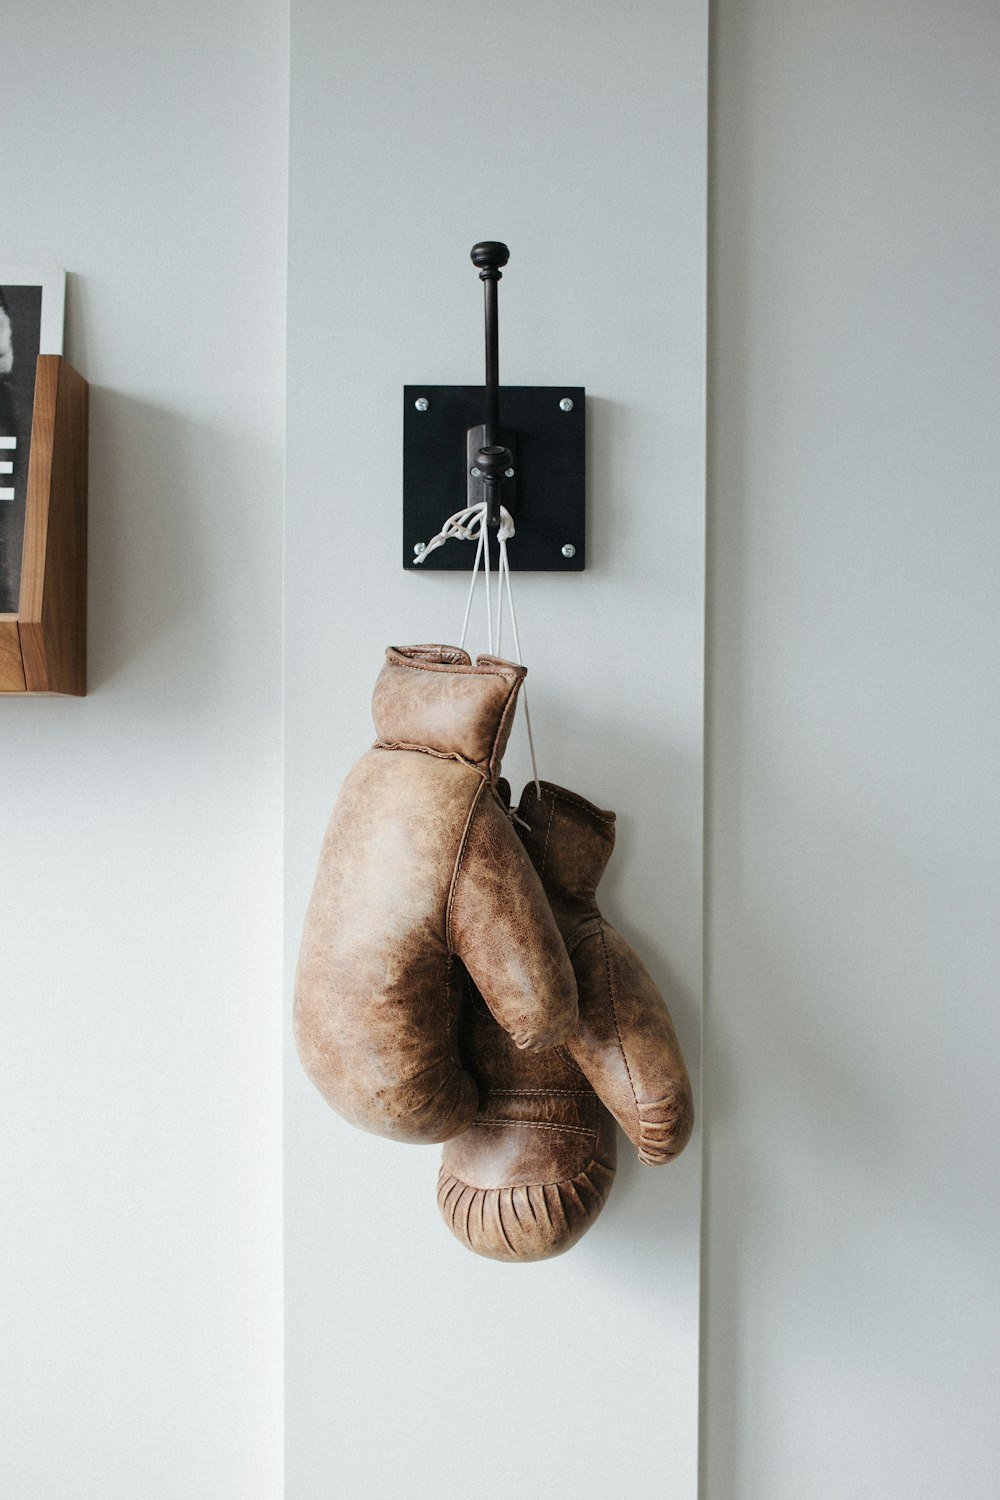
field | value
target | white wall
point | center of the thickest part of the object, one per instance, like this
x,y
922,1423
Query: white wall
x,y
851,1298
851,1290
144,148
414,1368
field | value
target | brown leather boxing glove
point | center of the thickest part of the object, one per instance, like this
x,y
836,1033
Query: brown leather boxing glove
x,y
420,867
625,1041
532,1173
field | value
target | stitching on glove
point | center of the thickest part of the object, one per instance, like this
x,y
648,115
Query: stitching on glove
x,y
614,1015
446,1175
605,817
516,1093
568,1057
533,1125
545,850
437,754
590,928
509,709
460,667
458,863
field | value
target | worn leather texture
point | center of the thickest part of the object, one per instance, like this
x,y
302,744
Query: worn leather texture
x,y
625,1042
533,1171
420,873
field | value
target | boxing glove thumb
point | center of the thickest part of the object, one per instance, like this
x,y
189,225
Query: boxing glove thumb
x,y
624,1043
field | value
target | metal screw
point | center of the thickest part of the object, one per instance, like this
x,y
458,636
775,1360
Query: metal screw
x,y
568,550
419,547
475,472
421,403
565,404
509,473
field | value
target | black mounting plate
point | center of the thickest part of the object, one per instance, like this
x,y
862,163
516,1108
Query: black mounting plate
x,y
545,497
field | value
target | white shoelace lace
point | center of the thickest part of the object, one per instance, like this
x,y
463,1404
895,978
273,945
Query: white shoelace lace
x,y
469,525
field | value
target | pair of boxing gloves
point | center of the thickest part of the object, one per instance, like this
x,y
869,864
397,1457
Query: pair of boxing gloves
x,y
456,981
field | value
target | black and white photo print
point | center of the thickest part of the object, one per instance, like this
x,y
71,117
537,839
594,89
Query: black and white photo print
x,y
31,309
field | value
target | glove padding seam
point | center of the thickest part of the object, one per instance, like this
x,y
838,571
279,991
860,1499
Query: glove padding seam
x,y
564,1052
614,1014
571,797
549,1093
534,1125
501,737
471,765
460,856
589,928
545,848
445,1173
464,668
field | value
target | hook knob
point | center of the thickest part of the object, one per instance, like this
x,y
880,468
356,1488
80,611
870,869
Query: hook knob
x,y
489,256
492,460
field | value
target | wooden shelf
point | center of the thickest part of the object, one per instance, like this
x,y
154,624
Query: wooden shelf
x,y
43,648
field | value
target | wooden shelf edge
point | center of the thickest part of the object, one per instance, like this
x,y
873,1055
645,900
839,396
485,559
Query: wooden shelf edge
x,y
52,608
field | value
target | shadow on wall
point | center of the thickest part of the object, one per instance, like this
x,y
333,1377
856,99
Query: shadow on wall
x,y
649,1215
621,506
166,530
162,528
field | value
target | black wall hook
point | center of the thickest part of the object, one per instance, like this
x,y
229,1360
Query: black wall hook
x,y
492,459
532,463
